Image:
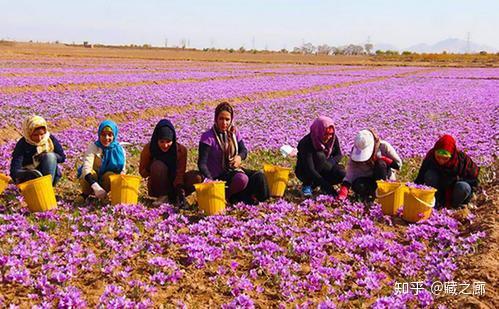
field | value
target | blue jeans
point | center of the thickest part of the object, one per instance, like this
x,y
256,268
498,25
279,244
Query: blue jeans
x,y
47,166
461,190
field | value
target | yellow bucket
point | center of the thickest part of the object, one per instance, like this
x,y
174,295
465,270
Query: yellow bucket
x,y
418,204
124,189
390,195
4,181
277,179
211,197
39,193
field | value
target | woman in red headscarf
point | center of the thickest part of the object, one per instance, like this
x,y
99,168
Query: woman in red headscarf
x,y
450,171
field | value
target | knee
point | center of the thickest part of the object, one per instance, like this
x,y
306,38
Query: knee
x,y
462,189
190,179
240,180
431,178
340,171
159,167
48,157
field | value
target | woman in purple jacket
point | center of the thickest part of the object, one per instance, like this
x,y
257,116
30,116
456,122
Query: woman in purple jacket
x,y
221,152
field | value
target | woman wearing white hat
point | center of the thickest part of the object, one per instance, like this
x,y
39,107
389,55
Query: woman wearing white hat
x,y
371,159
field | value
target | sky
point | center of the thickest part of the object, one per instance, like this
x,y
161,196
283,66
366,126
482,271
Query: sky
x,y
271,24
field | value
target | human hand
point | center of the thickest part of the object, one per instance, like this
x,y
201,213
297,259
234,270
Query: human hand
x,y
99,192
236,161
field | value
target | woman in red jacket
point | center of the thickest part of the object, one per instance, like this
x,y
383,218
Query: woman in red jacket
x,y
450,171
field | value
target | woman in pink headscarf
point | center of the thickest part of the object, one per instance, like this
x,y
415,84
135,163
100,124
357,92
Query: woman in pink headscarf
x,y
319,156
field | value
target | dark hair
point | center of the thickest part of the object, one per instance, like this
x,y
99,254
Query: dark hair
x,y
224,107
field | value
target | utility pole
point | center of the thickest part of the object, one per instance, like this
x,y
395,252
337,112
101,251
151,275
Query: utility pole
x,y
166,42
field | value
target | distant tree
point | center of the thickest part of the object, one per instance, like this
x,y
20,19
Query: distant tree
x,y
324,49
284,51
353,50
241,49
308,48
368,47
483,52
231,50
379,52
406,53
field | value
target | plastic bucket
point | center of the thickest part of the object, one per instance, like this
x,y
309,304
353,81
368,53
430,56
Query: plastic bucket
x,y
390,195
39,193
4,181
418,204
211,197
124,189
277,179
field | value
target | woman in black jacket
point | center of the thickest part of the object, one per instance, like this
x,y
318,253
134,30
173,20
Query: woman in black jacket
x,y
37,153
319,156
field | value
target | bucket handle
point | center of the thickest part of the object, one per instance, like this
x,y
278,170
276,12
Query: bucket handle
x,y
387,194
431,204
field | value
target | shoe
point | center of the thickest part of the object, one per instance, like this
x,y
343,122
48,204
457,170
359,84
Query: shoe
x,y
306,191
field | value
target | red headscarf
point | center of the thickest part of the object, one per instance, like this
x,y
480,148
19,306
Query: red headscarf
x,y
446,142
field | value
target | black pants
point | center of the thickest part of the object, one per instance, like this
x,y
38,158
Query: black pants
x,y
331,171
366,187
256,191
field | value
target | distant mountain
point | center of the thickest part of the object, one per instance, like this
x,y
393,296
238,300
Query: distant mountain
x,y
451,46
384,46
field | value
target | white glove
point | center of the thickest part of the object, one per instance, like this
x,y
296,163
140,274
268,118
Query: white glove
x,y
99,192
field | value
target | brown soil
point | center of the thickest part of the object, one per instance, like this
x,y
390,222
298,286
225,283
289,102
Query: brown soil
x,y
484,265
18,49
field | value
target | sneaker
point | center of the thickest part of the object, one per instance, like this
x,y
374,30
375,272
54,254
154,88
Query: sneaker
x,y
306,191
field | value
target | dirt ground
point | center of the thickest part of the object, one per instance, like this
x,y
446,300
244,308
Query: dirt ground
x,y
484,265
18,50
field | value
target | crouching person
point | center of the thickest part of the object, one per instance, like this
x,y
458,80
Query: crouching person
x,y
37,153
103,158
163,162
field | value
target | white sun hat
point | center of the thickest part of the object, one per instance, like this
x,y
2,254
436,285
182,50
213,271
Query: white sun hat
x,y
363,146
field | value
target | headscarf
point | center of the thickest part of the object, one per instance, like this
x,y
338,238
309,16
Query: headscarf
x,y
227,140
30,124
165,129
317,130
113,158
448,143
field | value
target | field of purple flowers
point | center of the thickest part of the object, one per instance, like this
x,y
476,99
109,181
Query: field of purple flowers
x,y
288,252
